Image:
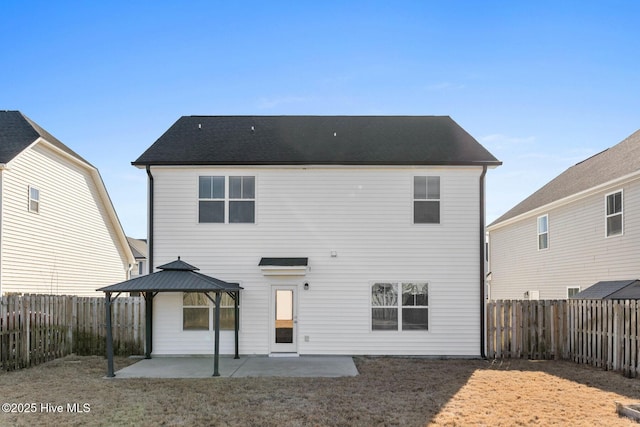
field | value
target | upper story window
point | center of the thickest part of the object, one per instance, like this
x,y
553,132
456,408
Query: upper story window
x,y
426,200
219,204
543,232
242,198
34,199
613,216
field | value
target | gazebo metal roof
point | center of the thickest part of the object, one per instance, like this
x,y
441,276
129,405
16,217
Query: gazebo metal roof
x,y
176,276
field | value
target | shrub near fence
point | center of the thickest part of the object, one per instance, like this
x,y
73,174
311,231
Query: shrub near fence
x,y
38,328
602,333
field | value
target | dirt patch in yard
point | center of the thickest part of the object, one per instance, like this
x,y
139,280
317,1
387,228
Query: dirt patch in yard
x,y
388,391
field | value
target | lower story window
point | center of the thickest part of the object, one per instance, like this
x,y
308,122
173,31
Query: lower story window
x,y
195,312
198,312
400,306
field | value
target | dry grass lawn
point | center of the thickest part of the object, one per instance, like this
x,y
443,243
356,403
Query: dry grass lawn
x,y
388,391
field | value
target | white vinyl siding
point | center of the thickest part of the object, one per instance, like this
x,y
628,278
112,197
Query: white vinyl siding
x,y
70,247
365,217
581,254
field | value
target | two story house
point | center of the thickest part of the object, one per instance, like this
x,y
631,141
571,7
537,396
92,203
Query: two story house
x,y
59,233
580,228
347,234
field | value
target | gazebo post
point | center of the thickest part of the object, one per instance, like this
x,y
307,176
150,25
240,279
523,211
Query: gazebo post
x,y
148,314
237,321
216,354
110,373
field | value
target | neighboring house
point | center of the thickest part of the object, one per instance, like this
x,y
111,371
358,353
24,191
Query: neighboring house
x,y
581,228
348,235
59,233
139,250
617,289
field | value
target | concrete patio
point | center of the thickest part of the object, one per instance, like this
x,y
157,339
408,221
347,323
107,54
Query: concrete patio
x,y
246,366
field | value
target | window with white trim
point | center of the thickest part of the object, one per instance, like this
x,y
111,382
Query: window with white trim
x,y
195,311
543,232
219,204
242,199
426,200
198,312
34,199
402,306
211,200
613,213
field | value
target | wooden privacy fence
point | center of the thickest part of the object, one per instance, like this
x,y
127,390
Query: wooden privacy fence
x,y
602,333
38,328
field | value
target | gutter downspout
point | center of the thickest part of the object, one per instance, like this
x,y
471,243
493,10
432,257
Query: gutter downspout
x,y
148,296
150,223
482,261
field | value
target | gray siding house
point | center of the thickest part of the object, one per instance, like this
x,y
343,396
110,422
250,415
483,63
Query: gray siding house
x,y
581,228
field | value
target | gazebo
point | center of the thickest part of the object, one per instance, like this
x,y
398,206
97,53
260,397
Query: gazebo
x,y
176,276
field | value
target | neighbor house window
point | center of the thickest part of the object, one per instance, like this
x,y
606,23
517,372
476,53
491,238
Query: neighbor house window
x,y
543,232
197,310
219,204
426,200
571,291
399,306
613,215
34,199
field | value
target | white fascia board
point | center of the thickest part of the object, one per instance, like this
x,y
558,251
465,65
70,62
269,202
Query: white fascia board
x,y
279,270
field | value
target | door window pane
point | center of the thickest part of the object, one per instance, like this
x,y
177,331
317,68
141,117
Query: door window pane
x,y
284,316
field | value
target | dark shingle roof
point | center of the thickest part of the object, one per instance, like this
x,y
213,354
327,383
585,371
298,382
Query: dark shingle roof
x,y
615,162
17,132
176,276
323,140
613,289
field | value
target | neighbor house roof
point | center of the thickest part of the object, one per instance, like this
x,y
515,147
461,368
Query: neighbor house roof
x,y
613,163
317,140
176,276
138,247
613,289
18,132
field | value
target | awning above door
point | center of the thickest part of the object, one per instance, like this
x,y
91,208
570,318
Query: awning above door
x,y
284,266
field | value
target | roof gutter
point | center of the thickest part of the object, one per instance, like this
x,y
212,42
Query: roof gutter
x,y
482,263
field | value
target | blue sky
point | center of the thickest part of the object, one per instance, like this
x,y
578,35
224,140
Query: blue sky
x,y
541,84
